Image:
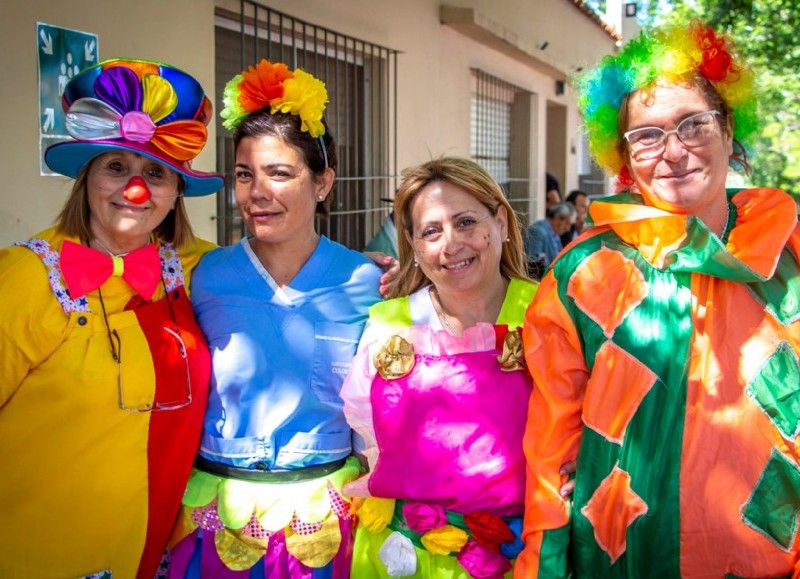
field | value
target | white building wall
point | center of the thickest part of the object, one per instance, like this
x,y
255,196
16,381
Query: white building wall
x,y
502,37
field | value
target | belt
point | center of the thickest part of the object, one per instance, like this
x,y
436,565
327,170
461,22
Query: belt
x,y
275,476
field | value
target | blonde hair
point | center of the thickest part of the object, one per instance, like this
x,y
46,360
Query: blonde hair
x,y
476,181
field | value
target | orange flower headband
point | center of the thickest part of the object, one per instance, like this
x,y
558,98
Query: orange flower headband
x,y
274,85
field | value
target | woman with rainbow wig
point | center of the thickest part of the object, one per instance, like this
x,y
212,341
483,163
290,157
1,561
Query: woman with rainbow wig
x,y
664,343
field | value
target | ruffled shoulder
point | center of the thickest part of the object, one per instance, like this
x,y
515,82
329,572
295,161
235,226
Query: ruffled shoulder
x,y
764,221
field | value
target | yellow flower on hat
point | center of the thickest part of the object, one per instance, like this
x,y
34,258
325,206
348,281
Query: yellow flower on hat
x,y
375,514
306,97
444,540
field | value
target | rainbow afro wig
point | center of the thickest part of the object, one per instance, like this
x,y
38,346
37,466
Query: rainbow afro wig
x,y
673,54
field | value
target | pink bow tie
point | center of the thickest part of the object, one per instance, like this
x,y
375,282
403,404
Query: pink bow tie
x,y
86,269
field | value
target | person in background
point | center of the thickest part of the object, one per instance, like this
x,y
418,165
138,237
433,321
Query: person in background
x,y
104,371
580,201
552,192
542,240
283,311
443,496
385,241
664,342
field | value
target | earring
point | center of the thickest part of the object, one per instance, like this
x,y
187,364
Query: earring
x,y
416,263
507,239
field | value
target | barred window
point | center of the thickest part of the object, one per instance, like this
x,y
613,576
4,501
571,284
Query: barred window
x,y
500,136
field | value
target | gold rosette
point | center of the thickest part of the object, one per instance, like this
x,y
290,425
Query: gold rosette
x,y
513,356
395,359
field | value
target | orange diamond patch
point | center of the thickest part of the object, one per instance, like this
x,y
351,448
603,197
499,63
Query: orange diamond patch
x,y
611,510
607,286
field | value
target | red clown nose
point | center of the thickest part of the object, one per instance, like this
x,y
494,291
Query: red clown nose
x,y
136,191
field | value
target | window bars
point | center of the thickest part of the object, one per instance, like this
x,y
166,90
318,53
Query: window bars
x,y
500,135
361,78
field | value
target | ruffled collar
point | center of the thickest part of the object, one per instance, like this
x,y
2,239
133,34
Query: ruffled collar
x,y
760,224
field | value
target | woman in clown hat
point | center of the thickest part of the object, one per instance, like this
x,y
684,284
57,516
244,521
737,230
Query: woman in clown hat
x,y
104,371
664,343
283,311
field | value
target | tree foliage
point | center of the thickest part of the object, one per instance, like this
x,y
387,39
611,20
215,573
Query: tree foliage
x,y
765,32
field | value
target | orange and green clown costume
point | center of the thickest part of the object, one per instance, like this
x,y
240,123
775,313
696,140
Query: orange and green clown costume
x,y
90,489
665,359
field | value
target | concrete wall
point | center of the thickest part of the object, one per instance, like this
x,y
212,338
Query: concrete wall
x,y
503,38
180,32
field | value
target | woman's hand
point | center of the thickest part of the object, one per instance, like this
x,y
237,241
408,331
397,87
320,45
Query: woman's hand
x,y
568,469
389,265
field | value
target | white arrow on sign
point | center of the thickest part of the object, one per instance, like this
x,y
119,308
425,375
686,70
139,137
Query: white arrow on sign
x,y
88,50
49,119
47,41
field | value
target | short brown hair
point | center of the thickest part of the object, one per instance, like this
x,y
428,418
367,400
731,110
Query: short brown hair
x,y
476,181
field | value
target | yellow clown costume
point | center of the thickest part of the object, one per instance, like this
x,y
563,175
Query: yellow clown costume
x,y
90,486
104,370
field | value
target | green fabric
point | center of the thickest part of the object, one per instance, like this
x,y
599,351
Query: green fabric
x,y
655,332
554,561
780,294
518,297
385,240
775,390
774,506
397,312
394,313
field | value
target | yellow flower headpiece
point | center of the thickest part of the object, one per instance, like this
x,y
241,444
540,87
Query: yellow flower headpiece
x,y
274,85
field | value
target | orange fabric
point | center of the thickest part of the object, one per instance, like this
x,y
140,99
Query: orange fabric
x,y
607,286
140,68
718,412
763,226
608,409
181,140
553,356
611,510
653,232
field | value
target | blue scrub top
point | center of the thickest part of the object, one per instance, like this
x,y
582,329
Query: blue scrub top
x,y
279,356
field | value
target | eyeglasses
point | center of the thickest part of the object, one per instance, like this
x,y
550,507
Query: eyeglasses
x,y
693,131
174,343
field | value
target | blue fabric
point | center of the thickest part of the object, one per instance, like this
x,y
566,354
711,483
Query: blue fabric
x,y
541,242
279,356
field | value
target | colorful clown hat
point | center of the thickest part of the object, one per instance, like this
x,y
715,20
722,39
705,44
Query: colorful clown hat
x,y
149,108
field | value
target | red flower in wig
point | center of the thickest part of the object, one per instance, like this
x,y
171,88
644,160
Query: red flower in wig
x,y
716,59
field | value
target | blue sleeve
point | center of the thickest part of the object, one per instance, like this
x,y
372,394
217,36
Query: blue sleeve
x,y
534,242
